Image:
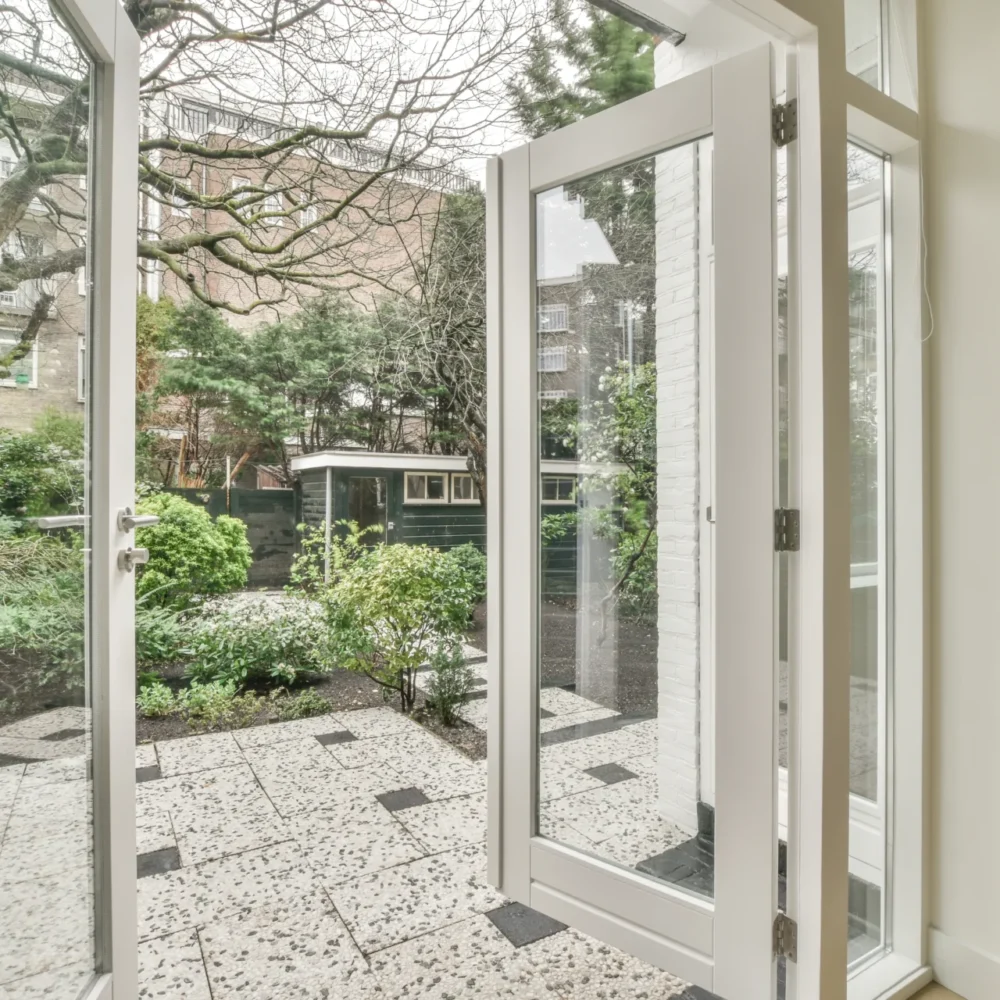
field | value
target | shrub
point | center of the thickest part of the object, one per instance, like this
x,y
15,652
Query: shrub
x,y
348,541
394,606
451,681
41,472
159,636
156,700
189,553
217,705
473,563
250,638
301,706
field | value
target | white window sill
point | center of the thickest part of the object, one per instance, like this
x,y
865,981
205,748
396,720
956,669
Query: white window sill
x,y
890,977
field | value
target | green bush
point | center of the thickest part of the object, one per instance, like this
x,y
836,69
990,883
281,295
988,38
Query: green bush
x,y
250,638
189,553
451,681
217,705
393,607
348,541
301,706
160,636
156,701
41,472
473,564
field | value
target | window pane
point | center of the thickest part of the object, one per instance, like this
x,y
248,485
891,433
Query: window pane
x,y
435,488
863,25
416,487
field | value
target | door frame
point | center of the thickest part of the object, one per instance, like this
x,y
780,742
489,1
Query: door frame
x,y
726,945
104,27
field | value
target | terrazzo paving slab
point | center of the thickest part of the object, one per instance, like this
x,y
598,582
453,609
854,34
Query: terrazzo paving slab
x,y
48,772
198,753
36,726
153,831
449,823
475,713
145,755
188,897
41,749
470,958
578,967
368,722
562,702
562,832
41,811
553,722
10,781
394,749
55,984
630,848
297,951
611,810
397,904
172,968
35,850
355,839
278,732
557,779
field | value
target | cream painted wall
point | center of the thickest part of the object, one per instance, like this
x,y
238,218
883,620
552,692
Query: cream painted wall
x,y
961,89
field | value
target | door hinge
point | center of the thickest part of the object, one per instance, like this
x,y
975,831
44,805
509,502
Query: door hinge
x,y
786,530
786,937
785,123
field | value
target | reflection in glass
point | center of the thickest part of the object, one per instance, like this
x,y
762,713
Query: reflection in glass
x,y
623,278
46,810
864,34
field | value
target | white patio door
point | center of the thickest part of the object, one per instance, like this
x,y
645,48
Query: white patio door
x,y
631,257
67,737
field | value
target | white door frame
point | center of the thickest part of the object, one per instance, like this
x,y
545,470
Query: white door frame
x,y
726,945
104,27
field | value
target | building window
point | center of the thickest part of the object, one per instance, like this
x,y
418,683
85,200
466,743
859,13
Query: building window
x,y
273,205
81,369
81,280
559,489
23,372
553,394
552,359
308,215
553,318
463,488
426,487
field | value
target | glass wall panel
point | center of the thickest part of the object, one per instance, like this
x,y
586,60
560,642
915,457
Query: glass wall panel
x,y
864,37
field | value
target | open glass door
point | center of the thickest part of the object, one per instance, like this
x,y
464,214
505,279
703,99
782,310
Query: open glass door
x,y
632,533
69,85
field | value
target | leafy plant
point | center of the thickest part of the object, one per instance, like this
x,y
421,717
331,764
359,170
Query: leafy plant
x,y
156,700
159,635
249,638
301,706
451,681
394,606
218,705
189,553
41,471
473,564
347,542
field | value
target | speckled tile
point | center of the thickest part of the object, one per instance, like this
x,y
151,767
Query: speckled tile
x,y
557,779
475,713
39,849
368,722
449,823
444,778
198,753
645,764
562,832
43,811
601,748
278,732
50,772
46,924
577,966
55,984
42,749
573,719
10,781
153,831
467,959
172,968
358,838
611,810
561,702
302,776
297,951
145,755
44,724
188,897
391,750
399,903
637,845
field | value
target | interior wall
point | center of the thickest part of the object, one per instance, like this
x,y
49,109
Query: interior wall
x,y
961,94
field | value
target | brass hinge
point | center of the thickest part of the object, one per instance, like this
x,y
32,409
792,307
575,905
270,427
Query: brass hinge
x,y
786,937
785,123
786,530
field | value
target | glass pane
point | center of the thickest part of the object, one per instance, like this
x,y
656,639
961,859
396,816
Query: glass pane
x,y
416,487
435,488
867,346
622,773
864,33
47,922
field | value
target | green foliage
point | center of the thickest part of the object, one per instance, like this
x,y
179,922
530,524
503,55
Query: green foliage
x,y
394,606
472,563
249,639
347,542
189,553
160,635
156,701
218,705
450,682
301,706
41,472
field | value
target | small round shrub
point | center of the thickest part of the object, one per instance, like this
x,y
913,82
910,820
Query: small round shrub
x,y
189,553
156,701
472,563
255,638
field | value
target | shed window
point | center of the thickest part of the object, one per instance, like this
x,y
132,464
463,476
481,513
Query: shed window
x,y
463,488
24,371
426,487
558,489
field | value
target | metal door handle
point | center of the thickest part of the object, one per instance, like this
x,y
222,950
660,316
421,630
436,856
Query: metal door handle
x,y
62,521
127,521
129,558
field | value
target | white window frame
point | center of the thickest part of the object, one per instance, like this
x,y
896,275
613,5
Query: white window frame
x,y
408,500
550,394
455,477
553,309
81,368
273,203
550,477
553,358
8,338
308,215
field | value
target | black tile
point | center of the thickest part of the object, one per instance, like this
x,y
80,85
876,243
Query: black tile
x,y
9,760
690,865
403,798
595,728
64,734
477,695
521,925
342,737
696,993
479,682
544,713
157,862
150,773
610,774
